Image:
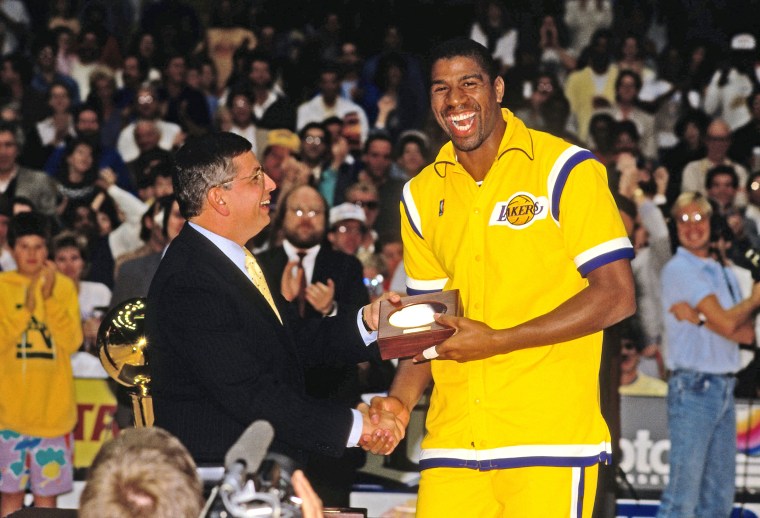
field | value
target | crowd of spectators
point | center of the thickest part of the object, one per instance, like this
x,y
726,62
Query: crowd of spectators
x,y
95,95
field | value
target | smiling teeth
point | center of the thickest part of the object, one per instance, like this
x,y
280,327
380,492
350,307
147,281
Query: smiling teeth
x,y
462,122
458,118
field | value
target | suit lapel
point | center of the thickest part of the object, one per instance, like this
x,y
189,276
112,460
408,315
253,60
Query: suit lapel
x,y
231,274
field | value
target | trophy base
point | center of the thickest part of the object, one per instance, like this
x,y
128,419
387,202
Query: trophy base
x,y
408,328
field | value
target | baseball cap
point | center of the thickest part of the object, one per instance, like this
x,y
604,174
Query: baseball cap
x,y
284,137
346,211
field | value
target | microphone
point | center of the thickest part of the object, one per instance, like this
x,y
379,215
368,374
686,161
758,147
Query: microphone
x,y
243,458
246,455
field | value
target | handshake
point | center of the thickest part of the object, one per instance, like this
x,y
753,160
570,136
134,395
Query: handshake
x,y
384,424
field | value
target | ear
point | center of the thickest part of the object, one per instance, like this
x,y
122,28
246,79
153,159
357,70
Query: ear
x,y
498,85
217,202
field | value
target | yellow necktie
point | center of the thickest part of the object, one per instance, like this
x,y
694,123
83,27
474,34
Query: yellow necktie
x,y
257,276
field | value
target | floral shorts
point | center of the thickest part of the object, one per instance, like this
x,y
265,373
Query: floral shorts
x,y
40,462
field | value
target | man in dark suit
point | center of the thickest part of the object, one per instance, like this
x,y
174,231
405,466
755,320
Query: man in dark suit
x,y
226,349
332,284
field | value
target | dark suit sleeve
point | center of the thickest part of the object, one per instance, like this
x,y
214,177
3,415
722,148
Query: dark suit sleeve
x,y
350,292
225,351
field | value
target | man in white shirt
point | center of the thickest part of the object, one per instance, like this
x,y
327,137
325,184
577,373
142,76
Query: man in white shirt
x,y
328,103
148,106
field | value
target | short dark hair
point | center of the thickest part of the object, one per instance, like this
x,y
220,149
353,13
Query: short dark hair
x,y
330,67
416,137
465,47
375,136
262,57
202,163
21,65
42,40
316,125
697,117
626,126
28,224
10,127
69,239
722,169
59,82
241,89
628,73
87,107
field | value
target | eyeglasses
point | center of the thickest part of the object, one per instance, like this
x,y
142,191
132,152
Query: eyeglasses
x,y
145,99
313,140
371,204
352,231
718,138
694,217
255,178
305,213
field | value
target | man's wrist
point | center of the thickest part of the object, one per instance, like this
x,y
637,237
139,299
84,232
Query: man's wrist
x,y
366,324
332,310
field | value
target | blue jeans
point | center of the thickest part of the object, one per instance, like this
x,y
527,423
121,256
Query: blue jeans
x,y
702,424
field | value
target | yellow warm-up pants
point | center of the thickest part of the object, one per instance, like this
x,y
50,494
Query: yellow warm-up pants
x,y
547,492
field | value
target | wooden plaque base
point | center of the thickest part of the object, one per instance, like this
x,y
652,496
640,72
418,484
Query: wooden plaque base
x,y
410,336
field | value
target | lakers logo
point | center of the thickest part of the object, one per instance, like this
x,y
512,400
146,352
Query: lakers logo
x,y
520,211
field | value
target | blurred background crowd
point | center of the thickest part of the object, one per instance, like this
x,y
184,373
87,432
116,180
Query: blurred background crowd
x,y
333,95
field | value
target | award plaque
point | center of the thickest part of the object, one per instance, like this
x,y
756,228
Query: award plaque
x,y
409,328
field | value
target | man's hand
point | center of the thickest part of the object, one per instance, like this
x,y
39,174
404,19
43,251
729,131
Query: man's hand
x,y
47,279
179,140
661,178
381,431
339,152
682,311
321,296
472,340
371,312
629,174
106,178
380,407
311,505
290,284
30,301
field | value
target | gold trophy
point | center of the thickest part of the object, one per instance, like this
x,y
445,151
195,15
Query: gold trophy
x,y
122,348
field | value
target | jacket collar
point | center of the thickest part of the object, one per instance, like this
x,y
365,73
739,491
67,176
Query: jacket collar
x,y
516,138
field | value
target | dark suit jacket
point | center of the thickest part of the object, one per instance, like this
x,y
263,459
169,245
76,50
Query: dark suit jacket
x,y
345,271
134,278
336,383
220,359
